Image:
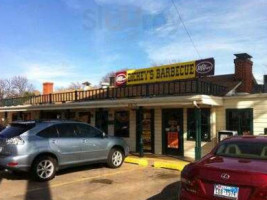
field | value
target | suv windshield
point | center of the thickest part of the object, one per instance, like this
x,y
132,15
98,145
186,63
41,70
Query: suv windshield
x,y
15,129
246,149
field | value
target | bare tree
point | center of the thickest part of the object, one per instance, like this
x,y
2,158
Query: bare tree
x,y
15,87
5,88
21,86
105,78
61,89
75,86
71,87
2,88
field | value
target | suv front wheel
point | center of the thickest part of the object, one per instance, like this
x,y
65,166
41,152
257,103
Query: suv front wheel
x,y
115,158
44,168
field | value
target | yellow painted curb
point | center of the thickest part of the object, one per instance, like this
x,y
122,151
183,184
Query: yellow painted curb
x,y
170,165
139,161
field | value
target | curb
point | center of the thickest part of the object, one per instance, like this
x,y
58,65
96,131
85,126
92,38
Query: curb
x,y
157,163
170,165
139,161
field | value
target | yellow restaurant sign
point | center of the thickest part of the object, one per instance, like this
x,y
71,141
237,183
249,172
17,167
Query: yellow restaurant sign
x,y
177,71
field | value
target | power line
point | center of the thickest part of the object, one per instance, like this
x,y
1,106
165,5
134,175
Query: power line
x,y
186,30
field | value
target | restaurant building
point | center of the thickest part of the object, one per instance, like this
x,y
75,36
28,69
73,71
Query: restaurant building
x,y
174,110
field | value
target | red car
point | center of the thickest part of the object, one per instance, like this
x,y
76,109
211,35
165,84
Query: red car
x,y
235,169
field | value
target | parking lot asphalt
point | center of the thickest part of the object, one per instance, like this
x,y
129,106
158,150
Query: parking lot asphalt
x,y
130,182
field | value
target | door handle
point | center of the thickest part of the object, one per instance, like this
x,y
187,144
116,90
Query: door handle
x,y
85,140
54,141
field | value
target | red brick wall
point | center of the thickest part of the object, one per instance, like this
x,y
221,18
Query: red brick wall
x,y
48,88
243,72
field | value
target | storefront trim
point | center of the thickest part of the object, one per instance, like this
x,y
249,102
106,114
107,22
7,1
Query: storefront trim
x,y
122,103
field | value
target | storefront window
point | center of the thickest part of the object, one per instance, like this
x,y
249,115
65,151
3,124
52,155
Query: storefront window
x,y
49,115
147,124
101,120
70,115
15,116
26,116
240,120
121,127
85,117
205,124
21,116
145,130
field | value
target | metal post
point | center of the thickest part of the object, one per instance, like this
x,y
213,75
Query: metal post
x,y
147,90
107,94
5,118
50,98
197,86
101,119
75,95
140,125
20,116
198,133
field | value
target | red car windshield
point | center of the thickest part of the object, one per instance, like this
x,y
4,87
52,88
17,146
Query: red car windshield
x,y
244,149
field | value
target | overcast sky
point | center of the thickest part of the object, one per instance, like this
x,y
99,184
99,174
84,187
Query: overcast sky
x,y
80,40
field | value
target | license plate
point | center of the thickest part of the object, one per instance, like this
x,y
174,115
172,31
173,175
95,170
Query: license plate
x,y
228,192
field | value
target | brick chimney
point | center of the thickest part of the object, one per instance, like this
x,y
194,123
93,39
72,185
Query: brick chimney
x,y
48,88
243,72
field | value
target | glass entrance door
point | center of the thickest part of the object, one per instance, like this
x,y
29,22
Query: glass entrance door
x,y
172,132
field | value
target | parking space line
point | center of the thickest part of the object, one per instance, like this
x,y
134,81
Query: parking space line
x,y
84,179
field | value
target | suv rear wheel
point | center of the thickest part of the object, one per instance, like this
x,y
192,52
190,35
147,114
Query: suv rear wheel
x,y
44,168
115,158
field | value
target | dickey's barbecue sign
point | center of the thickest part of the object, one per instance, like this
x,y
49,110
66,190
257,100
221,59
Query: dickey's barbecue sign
x,y
177,71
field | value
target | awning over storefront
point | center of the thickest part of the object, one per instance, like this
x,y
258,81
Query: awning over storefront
x,y
122,103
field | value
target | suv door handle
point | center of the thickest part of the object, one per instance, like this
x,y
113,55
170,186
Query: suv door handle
x,y
54,141
85,140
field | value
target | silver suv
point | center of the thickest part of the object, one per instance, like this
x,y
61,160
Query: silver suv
x,y
42,148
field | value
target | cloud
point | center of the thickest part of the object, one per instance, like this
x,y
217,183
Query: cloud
x,y
219,29
58,73
148,6
61,74
66,72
